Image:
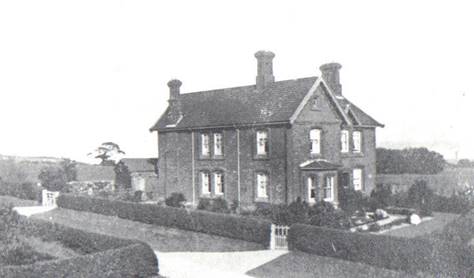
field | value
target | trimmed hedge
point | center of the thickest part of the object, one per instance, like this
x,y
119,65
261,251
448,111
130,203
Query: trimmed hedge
x,y
408,254
232,226
105,256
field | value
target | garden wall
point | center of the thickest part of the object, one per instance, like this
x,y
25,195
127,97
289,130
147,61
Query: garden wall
x,y
408,254
238,227
104,256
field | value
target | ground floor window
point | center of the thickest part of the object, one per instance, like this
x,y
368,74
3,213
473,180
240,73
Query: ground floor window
x,y
262,185
218,183
328,189
205,183
312,187
357,179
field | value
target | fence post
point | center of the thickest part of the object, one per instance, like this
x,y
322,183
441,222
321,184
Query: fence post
x,y
272,237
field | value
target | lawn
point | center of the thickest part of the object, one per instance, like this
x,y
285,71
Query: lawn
x,y
437,223
300,264
160,238
16,201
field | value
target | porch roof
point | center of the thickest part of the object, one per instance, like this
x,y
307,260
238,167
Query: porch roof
x,y
319,164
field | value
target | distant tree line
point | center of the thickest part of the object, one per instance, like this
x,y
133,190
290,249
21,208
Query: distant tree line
x,y
409,161
465,163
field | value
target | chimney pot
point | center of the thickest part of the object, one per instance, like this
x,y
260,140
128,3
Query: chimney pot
x,y
264,69
330,74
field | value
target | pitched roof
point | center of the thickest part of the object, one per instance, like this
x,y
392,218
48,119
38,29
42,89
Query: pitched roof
x,y
319,164
245,106
356,114
140,164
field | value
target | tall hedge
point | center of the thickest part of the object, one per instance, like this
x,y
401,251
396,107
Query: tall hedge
x,y
102,255
238,227
408,254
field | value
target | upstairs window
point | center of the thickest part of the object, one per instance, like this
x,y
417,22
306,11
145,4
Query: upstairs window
x,y
262,142
344,141
205,183
218,144
315,139
357,141
262,185
357,179
218,183
205,150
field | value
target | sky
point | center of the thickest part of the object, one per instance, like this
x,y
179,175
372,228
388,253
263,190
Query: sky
x,y
74,74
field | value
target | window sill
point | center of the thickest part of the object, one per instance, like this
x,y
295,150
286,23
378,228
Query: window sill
x,y
352,154
261,157
262,200
218,157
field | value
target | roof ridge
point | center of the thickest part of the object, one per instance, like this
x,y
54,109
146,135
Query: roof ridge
x,y
248,86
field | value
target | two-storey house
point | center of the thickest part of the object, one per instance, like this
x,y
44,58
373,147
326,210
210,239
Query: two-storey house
x,y
272,141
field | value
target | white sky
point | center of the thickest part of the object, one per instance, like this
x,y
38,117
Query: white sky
x,y
74,74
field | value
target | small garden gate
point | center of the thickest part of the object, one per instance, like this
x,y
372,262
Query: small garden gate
x,y
278,238
49,198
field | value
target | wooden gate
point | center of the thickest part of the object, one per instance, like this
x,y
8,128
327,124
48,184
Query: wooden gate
x,y
49,198
278,239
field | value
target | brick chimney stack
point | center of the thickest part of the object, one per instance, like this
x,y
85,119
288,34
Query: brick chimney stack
x,y
264,69
330,74
174,101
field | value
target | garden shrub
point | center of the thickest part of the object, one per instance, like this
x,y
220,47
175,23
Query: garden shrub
x,y
204,204
239,227
408,254
381,197
420,197
351,201
220,205
176,200
298,212
324,214
53,178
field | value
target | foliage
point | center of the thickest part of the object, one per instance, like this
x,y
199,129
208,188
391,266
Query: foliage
x,y
411,255
459,230
325,215
25,190
410,161
381,197
465,163
69,167
176,200
53,178
351,201
107,256
106,152
215,205
227,225
298,212
13,250
420,197
122,175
